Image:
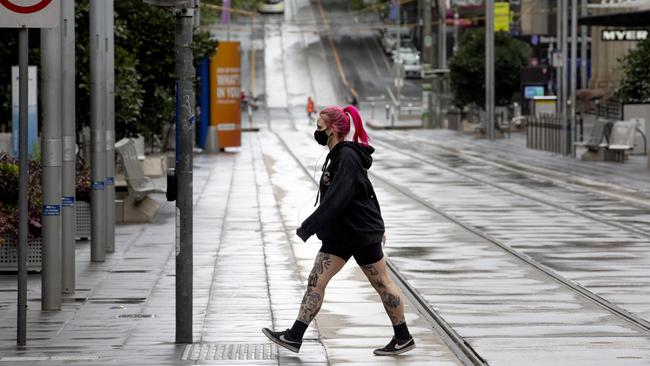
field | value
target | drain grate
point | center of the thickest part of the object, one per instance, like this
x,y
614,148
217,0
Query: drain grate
x,y
230,351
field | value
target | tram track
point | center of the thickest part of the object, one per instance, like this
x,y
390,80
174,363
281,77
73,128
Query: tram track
x,y
459,346
483,181
463,347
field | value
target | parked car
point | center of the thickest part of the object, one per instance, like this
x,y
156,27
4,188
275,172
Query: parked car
x,y
271,7
409,57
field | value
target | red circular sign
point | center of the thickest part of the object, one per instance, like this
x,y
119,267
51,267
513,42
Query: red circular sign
x,y
25,9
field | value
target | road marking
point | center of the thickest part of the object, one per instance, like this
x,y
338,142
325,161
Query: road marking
x,y
391,95
372,58
381,52
335,51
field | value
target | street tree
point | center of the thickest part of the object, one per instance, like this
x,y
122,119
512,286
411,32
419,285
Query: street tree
x,y
467,67
635,84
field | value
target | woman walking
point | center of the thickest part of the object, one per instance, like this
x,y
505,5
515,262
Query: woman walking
x,y
349,224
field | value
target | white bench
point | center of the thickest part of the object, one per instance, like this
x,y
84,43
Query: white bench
x,y
138,184
622,139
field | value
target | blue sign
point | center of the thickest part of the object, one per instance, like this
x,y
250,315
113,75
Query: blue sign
x,y
534,40
51,210
531,92
67,201
110,181
97,186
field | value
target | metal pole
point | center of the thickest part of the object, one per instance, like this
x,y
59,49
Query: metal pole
x,y
23,181
456,29
52,154
110,126
565,63
98,135
584,33
558,48
489,67
427,43
68,182
442,34
574,71
185,79
399,58
197,14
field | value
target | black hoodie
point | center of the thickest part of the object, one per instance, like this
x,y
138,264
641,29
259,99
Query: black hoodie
x,y
349,213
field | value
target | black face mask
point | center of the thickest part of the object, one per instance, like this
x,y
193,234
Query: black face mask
x,y
321,137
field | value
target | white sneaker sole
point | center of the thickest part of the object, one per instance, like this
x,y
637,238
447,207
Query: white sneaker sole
x,y
279,342
384,353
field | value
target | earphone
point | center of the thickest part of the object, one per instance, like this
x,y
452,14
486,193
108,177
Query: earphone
x,y
317,188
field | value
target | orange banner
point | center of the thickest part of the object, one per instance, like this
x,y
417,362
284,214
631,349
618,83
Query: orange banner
x,y
225,94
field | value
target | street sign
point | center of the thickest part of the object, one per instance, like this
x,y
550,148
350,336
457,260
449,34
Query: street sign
x,y
501,16
29,13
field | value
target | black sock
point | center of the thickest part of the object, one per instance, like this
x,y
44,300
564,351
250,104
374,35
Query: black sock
x,y
298,330
402,332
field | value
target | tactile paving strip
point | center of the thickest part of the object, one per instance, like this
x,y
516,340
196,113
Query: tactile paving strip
x,y
230,351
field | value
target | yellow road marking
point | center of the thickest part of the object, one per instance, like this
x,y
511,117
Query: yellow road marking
x,y
339,65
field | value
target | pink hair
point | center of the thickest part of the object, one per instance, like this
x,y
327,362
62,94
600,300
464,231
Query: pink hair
x,y
337,119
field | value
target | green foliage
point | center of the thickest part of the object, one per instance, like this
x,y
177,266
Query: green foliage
x,y
635,84
467,67
203,46
144,66
9,171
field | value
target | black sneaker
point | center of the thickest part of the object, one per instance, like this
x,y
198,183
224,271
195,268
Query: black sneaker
x,y
283,339
395,347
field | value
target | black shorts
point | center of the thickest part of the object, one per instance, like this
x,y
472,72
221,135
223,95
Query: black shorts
x,y
364,255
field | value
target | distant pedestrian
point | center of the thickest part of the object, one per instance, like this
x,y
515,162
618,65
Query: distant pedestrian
x,y
310,109
354,102
349,224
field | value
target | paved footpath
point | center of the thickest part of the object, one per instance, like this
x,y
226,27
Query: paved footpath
x,y
249,270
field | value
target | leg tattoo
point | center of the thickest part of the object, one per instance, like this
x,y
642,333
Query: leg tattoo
x,y
311,304
313,298
371,269
388,292
323,261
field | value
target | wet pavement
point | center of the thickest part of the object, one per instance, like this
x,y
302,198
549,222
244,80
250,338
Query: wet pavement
x,y
249,270
489,296
533,259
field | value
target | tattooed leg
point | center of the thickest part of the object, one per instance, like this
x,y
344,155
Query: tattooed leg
x,y
390,295
325,267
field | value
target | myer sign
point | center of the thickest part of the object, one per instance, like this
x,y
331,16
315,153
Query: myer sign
x,y
624,35
29,13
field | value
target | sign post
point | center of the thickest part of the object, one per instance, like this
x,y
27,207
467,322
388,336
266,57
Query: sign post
x,y
185,75
39,14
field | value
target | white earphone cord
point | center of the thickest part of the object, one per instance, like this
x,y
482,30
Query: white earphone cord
x,y
317,188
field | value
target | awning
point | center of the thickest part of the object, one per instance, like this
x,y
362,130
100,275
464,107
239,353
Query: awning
x,y
634,19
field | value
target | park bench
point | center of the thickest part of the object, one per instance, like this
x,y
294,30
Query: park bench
x,y
622,139
138,184
602,128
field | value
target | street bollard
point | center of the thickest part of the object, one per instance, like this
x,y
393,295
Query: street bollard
x,y
387,111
